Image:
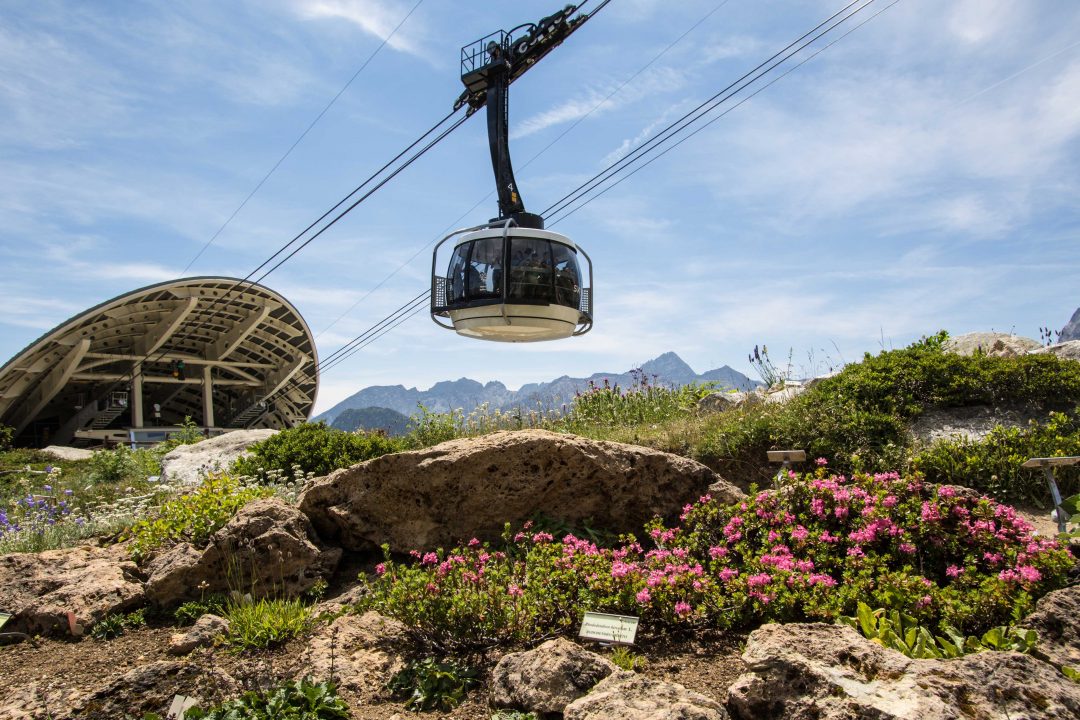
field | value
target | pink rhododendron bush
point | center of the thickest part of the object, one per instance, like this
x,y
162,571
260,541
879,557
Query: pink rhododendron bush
x,y
810,551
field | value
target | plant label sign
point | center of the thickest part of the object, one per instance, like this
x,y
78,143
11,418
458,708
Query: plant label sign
x,y
4,617
617,629
180,705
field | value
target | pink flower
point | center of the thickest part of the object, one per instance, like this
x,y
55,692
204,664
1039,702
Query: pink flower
x,y
542,537
923,602
643,596
946,492
821,462
800,533
380,569
728,573
474,543
682,608
954,571
717,552
432,588
514,590
907,548
758,580
1029,574
890,501
430,559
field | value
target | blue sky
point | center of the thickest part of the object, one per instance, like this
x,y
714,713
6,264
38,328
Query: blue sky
x,y
920,174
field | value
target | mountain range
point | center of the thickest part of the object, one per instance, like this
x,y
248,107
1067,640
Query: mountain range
x,y
667,369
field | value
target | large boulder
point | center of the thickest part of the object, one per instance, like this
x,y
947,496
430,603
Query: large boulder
x,y
829,672
547,678
470,487
151,688
187,464
1065,350
61,591
268,548
992,344
1071,331
363,652
1057,620
627,696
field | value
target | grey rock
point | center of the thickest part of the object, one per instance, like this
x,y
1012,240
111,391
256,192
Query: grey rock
x,y
1071,331
470,487
548,678
627,696
831,672
150,689
188,464
1065,350
363,651
992,344
267,548
40,590
68,453
1057,620
719,402
203,633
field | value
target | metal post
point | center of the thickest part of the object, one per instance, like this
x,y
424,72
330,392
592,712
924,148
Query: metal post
x,y
1055,495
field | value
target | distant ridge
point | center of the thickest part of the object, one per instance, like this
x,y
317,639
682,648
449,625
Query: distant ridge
x,y
667,369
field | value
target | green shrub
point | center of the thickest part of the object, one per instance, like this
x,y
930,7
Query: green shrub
x,y
187,613
313,448
812,551
292,700
627,659
642,403
427,428
121,465
114,625
7,434
513,715
430,685
193,517
993,464
859,417
263,623
901,632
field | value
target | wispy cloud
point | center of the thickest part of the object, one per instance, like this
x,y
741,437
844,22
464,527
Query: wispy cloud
x,y
375,17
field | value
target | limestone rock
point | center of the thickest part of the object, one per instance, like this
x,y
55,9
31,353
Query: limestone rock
x,y
831,672
719,402
627,696
269,547
364,650
68,453
187,464
785,393
993,344
1057,620
548,678
150,689
203,633
40,589
470,487
1071,331
38,699
1065,350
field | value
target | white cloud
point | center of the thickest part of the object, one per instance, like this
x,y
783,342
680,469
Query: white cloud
x,y
375,17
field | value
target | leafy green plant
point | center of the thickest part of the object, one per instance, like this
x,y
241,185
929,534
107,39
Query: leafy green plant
x,y
292,700
901,632
430,685
627,659
188,434
116,624
313,448
1071,506
7,434
187,613
993,464
427,428
644,402
193,517
513,715
112,467
263,623
769,373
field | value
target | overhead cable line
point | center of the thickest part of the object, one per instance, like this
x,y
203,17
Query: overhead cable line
x,y
530,161
298,140
565,213
701,110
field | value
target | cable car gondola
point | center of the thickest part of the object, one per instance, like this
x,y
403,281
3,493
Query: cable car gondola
x,y
510,280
